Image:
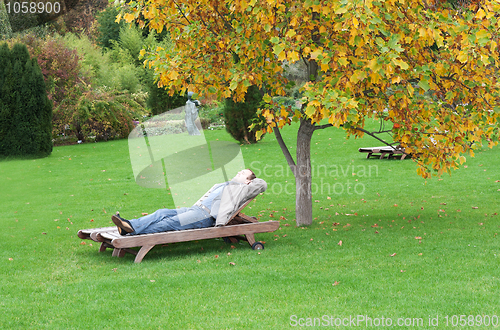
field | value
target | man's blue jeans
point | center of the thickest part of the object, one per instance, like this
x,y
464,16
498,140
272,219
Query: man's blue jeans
x,y
170,219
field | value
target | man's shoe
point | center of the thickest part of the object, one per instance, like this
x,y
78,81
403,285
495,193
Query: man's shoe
x,y
124,226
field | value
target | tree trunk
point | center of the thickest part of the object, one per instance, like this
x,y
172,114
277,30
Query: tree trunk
x,y
303,196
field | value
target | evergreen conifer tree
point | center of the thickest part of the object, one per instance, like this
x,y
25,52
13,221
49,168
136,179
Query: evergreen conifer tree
x,y
238,116
25,110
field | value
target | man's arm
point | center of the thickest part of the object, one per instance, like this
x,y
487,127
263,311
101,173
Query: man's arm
x,y
236,194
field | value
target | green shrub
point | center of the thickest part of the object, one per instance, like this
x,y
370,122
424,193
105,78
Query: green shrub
x,y
25,109
92,57
238,116
131,41
160,101
98,116
108,29
211,115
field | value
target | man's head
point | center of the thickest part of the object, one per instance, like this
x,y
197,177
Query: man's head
x,y
244,176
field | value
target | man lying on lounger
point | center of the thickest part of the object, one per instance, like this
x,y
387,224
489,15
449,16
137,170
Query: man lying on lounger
x,y
215,208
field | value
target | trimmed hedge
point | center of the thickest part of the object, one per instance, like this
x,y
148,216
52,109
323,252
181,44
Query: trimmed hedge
x,y
25,109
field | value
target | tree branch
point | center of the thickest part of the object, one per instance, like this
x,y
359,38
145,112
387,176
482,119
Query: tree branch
x,y
372,134
284,149
180,9
323,126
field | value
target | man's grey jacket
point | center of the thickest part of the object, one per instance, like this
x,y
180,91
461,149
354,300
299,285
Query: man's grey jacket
x,y
233,196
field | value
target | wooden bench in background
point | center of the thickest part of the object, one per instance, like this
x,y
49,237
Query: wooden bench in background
x,y
383,151
239,227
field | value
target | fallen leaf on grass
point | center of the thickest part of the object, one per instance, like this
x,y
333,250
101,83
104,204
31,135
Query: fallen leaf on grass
x,y
10,259
392,255
83,243
475,207
403,271
335,283
144,213
340,243
216,256
232,264
418,237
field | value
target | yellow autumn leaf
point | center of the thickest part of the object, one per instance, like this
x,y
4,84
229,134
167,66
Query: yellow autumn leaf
x,y
357,76
282,55
283,113
355,22
462,57
343,61
316,53
374,65
480,14
293,56
402,64
173,75
128,17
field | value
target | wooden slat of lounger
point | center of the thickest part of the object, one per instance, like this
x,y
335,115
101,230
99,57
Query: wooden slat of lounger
x,y
85,233
191,234
111,235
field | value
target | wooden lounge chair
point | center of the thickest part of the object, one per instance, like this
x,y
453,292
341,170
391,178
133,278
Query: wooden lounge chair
x,y
383,151
239,227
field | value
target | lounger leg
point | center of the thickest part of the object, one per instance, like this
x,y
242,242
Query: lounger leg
x,y
142,253
103,247
250,238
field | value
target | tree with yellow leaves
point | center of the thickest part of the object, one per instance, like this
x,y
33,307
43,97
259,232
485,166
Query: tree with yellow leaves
x,y
426,67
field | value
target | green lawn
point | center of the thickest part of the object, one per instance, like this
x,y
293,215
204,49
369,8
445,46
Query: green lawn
x,y
384,244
